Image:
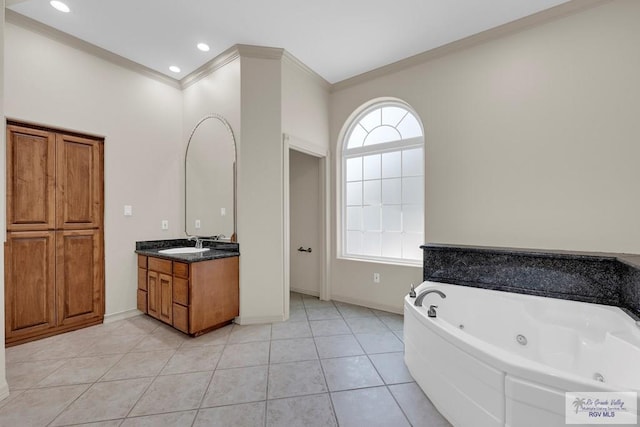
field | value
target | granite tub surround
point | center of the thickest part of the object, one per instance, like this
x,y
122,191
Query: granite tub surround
x,y
601,278
630,290
217,249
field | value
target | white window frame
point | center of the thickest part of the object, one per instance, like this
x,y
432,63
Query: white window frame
x,y
345,153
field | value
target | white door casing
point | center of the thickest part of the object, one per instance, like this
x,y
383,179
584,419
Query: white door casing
x,y
322,251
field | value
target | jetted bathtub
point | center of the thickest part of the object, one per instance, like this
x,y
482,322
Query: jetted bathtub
x,y
493,358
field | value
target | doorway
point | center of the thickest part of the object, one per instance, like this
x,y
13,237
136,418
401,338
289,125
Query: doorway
x,y
305,223
306,219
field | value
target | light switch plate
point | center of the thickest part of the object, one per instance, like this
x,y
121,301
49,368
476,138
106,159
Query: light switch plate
x,y
165,224
223,211
128,210
197,224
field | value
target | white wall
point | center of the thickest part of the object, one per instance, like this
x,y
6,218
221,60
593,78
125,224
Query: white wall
x,y
531,141
141,119
260,192
4,387
305,106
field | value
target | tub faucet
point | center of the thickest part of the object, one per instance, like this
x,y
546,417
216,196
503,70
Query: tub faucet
x,y
412,292
432,311
420,297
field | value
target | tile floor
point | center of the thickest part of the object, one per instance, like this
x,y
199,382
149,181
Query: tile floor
x,y
331,364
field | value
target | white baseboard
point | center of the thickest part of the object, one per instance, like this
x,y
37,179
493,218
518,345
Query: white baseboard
x,y
4,390
108,318
255,320
305,292
357,301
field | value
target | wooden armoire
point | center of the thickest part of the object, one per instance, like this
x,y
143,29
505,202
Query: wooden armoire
x,y
54,254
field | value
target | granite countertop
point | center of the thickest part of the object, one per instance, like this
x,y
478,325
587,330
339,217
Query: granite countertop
x,y
216,250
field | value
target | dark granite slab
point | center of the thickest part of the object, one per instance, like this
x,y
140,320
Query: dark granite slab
x,y
217,250
610,279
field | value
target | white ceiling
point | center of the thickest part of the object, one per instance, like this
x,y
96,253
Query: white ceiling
x,y
336,38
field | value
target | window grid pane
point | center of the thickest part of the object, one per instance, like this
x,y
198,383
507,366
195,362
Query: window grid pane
x,y
354,169
384,190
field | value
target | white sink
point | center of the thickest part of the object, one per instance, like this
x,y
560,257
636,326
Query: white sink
x,y
185,250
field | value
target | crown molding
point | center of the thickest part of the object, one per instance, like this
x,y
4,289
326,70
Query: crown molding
x,y
261,52
76,43
288,57
209,67
557,12
230,55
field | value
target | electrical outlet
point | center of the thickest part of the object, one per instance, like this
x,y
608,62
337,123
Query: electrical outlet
x,y
128,210
376,277
223,211
197,224
165,224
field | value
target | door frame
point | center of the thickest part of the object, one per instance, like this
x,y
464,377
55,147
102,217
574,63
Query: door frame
x,y
290,142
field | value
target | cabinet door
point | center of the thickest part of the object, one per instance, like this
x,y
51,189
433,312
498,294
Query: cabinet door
x,y
214,293
30,179
29,283
79,276
79,179
166,298
153,292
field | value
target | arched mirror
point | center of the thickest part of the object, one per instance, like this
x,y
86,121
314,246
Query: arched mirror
x,y
210,180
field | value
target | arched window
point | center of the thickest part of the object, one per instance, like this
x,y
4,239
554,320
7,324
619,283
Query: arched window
x,y
383,185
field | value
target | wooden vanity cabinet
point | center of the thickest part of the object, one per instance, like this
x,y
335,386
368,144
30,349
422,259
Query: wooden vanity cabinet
x,y
192,297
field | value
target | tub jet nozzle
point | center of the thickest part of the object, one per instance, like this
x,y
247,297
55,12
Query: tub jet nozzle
x,y
522,340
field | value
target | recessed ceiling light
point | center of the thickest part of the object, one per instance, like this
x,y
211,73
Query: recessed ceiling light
x,y
174,69
60,6
203,47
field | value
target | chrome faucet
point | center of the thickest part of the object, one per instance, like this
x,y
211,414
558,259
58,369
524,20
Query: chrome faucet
x,y
420,297
432,311
199,240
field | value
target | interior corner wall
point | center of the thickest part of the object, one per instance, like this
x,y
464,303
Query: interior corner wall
x,y
50,83
531,141
218,92
260,192
305,107
4,388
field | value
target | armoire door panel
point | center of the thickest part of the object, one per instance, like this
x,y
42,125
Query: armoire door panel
x,y
79,182
79,275
29,283
54,262
30,179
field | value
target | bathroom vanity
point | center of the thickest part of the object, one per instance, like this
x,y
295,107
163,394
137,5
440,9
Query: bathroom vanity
x,y
192,284
193,292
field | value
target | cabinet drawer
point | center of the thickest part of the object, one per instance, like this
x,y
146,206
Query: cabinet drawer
x,y
142,301
181,291
180,269
142,279
159,265
181,318
142,261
